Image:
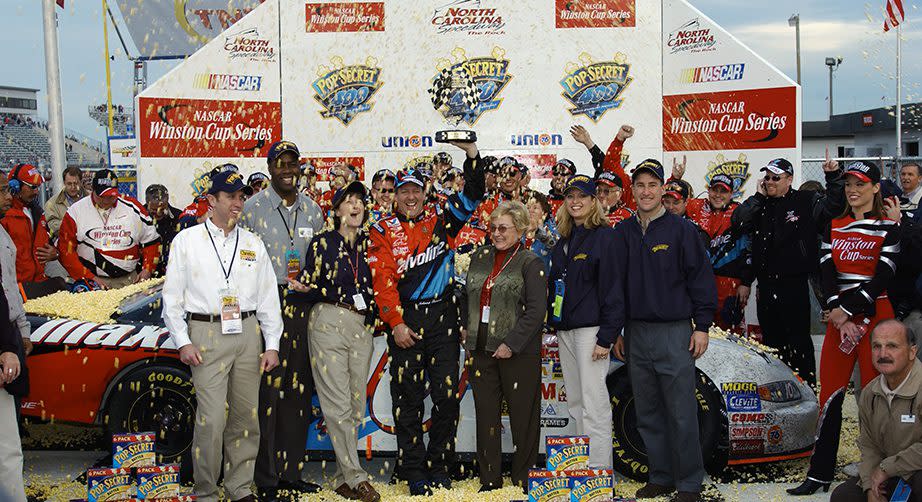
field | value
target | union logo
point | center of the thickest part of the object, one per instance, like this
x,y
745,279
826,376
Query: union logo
x,y
737,170
346,91
464,89
593,87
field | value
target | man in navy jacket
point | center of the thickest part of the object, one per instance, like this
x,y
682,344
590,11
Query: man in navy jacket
x,y
665,298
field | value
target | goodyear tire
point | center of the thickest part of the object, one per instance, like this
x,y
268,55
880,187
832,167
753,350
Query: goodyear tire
x,y
629,453
158,397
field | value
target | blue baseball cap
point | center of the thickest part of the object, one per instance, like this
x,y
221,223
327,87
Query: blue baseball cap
x,y
651,166
356,187
580,182
413,176
230,182
280,147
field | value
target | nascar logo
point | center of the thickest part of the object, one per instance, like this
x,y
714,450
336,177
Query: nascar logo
x,y
221,82
705,74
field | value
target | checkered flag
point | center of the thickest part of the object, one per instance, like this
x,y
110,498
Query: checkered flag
x,y
451,80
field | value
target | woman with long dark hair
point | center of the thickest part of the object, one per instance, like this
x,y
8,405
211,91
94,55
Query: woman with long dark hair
x,y
857,261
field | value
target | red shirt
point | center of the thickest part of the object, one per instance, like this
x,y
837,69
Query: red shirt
x,y
619,214
27,236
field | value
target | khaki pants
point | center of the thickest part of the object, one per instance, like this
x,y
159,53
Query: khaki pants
x,y
226,390
120,282
341,347
11,483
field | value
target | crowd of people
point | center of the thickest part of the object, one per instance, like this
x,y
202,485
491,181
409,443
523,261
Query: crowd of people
x,y
310,276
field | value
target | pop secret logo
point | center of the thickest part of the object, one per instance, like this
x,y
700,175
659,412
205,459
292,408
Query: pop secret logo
x,y
249,45
346,91
692,37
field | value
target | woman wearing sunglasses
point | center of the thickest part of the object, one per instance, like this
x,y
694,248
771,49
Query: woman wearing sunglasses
x,y
506,302
857,261
581,283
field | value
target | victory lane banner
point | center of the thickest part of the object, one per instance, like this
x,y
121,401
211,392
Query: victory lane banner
x,y
207,128
750,119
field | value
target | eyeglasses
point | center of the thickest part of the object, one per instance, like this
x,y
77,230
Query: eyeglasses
x,y
500,228
607,191
773,177
385,190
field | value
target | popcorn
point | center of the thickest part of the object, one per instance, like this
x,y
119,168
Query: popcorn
x,y
567,452
133,450
91,306
108,484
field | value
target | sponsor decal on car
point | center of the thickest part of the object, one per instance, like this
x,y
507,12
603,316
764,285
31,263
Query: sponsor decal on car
x,y
180,127
222,82
485,76
775,435
340,17
737,169
471,17
747,432
344,91
249,45
707,74
748,446
742,396
595,87
692,37
752,418
73,333
595,13
742,119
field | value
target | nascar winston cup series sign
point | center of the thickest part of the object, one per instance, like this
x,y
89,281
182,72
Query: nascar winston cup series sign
x,y
374,80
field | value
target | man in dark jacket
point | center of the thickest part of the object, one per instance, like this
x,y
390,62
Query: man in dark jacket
x,y
14,382
658,251
784,223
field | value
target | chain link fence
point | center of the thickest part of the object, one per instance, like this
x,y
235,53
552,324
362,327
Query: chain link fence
x,y
812,169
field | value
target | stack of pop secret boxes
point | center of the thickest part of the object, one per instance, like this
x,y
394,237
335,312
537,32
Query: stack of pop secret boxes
x,y
568,478
135,474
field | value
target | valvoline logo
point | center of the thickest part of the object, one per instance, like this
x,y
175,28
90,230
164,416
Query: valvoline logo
x,y
346,91
594,87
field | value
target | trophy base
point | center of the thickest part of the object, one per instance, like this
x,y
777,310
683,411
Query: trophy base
x,y
458,135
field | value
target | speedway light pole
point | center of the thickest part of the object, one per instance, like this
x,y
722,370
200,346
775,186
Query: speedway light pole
x,y
53,82
833,64
794,22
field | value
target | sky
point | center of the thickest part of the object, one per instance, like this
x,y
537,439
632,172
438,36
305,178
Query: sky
x,y
850,29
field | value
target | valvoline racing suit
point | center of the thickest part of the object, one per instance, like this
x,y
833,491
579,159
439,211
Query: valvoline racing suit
x,y
618,214
728,250
413,265
857,262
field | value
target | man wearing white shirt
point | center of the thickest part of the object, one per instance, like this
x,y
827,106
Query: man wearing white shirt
x,y
219,282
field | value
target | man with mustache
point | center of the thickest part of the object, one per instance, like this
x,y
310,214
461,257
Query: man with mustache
x,y
890,435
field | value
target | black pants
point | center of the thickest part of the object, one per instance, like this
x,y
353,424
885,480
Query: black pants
x,y
430,364
517,381
784,316
286,391
851,491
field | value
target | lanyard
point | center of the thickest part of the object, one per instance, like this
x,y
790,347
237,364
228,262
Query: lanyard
x,y
230,267
492,277
294,224
354,265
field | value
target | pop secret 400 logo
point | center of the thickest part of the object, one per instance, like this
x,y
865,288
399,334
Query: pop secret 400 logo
x,y
489,76
346,91
593,87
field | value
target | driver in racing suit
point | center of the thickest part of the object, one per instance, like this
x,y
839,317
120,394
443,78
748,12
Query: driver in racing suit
x,y
412,263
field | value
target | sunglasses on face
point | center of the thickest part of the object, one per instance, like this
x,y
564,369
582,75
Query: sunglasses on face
x,y
499,229
773,177
386,190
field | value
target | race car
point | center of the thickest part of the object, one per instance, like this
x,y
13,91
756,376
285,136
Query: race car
x,y
127,377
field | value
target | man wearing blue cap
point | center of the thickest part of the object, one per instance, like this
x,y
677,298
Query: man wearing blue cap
x,y
659,251
784,224
286,220
219,283
412,259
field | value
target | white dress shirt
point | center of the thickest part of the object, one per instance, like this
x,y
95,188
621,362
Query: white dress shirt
x,y
195,278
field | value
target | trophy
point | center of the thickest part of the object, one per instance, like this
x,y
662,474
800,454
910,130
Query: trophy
x,y
454,94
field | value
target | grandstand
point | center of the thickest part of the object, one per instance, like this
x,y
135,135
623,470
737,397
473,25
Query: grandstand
x,y
26,141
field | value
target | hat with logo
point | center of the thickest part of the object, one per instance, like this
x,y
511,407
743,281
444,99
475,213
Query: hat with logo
x,y
864,171
412,176
383,174
580,182
564,166
105,183
280,147
721,180
609,178
28,174
356,187
442,158
257,177
489,164
651,166
222,168
156,192
677,189
230,182
508,162
779,166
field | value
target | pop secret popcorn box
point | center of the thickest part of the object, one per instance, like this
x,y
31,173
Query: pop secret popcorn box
x,y
591,485
548,486
567,452
158,482
133,450
108,484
